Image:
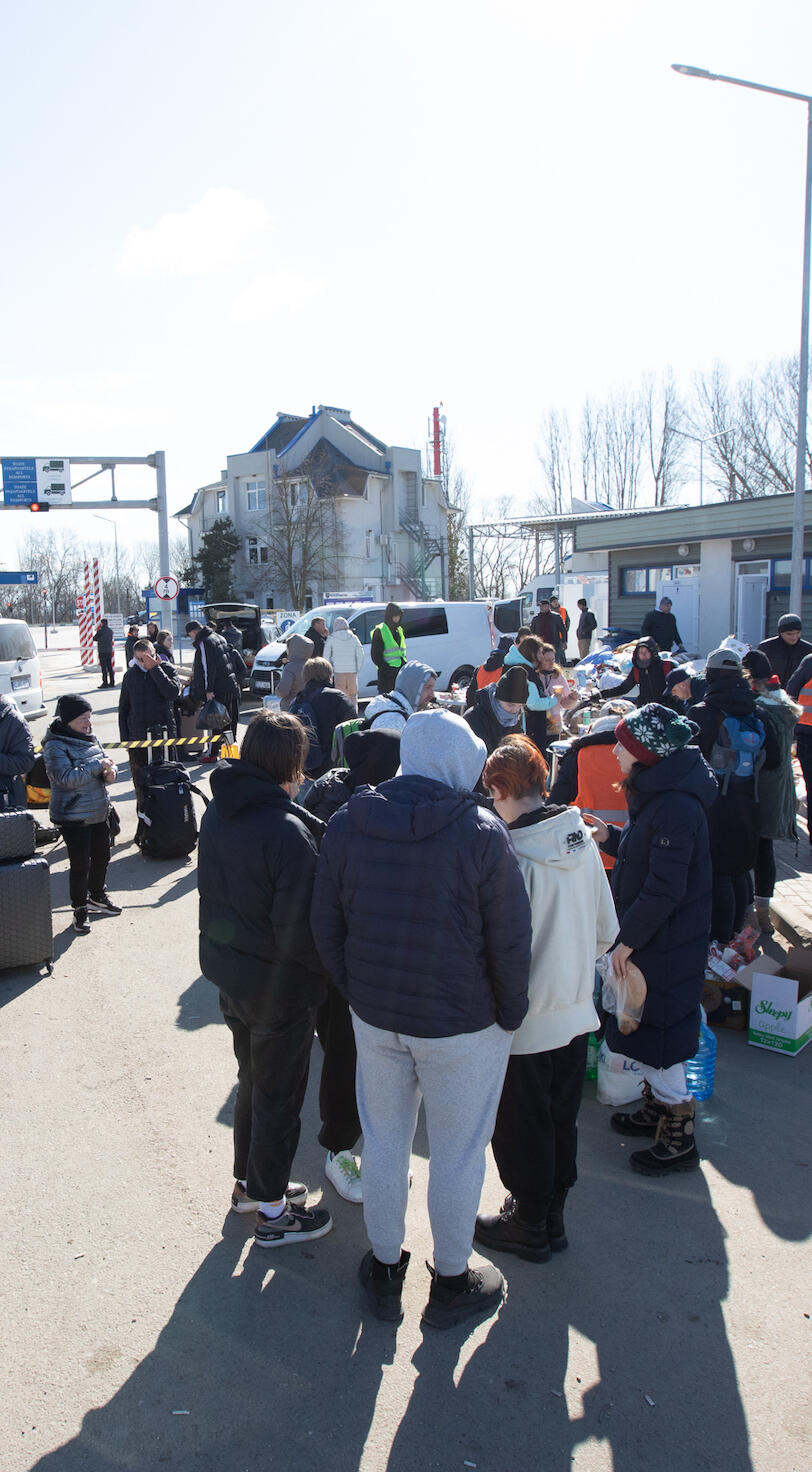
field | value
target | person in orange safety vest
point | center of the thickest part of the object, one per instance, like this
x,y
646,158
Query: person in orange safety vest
x,y
587,776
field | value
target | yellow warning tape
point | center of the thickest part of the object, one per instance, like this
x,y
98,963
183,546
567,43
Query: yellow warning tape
x,y
167,741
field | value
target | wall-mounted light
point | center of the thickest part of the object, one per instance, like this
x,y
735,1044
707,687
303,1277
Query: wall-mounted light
x,y
749,544
683,549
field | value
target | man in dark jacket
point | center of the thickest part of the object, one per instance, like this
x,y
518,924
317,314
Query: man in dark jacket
x,y
321,708
231,634
422,920
256,861
318,633
497,710
549,626
660,625
387,648
645,681
587,624
787,649
212,675
105,643
16,755
146,703
489,672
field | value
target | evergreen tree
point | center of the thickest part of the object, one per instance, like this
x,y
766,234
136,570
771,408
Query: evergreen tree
x,y
218,548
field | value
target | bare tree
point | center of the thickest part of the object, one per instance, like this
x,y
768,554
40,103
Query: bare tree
x,y
663,413
301,537
57,558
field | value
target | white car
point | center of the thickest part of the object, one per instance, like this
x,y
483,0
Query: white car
x,y
20,673
451,638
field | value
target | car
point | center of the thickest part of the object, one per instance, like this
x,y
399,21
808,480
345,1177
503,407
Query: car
x,y
20,673
452,638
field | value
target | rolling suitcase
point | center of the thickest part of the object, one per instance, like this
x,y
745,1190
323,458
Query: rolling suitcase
x,y
26,931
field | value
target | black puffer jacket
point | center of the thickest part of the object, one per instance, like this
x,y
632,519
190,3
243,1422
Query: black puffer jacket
x,y
16,754
255,868
784,658
484,724
661,886
734,821
147,701
420,913
644,683
212,669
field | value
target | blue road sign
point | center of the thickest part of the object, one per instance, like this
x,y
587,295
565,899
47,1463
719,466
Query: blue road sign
x,y
19,481
19,577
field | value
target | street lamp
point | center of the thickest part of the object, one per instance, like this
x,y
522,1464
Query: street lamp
x,y
115,534
705,440
797,573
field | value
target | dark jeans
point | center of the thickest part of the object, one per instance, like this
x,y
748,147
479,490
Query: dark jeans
x,y
804,749
107,673
387,676
88,846
764,872
273,1059
340,1125
535,1138
731,896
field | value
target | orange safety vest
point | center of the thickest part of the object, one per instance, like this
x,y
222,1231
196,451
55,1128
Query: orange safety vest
x,y
598,776
805,702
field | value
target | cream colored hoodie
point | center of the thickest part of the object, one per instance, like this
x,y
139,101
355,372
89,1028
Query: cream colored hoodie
x,y
574,922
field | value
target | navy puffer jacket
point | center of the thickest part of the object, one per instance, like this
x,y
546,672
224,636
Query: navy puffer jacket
x,y
420,913
661,886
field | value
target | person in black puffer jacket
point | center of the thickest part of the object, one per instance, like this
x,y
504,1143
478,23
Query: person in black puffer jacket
x,y
256,862
212,674
787,649
146,703
662,887
734,821
422,920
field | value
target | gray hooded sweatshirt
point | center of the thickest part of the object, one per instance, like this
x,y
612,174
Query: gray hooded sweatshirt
x,y
391,712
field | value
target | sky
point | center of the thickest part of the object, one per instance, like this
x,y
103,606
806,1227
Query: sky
x,y
212,213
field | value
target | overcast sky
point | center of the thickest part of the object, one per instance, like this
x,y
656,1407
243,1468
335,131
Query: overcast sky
x,y
211,213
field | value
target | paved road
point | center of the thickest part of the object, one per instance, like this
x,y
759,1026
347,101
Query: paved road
x,y
673,1335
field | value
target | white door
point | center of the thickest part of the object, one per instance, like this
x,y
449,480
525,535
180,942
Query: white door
x,y
751,604
684,595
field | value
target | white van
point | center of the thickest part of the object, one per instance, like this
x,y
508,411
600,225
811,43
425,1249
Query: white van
x,y
20,674
451,638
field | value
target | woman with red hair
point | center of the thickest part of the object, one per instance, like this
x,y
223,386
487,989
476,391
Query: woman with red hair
x,y
573,917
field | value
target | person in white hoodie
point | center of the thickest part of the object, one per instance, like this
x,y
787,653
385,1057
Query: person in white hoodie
x,y
574,922
346,654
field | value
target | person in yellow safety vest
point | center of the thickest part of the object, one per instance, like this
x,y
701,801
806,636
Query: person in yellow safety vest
x,y
587,775
388,648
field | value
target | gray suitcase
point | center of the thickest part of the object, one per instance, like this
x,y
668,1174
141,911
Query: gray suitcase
x,y
17,835
26,932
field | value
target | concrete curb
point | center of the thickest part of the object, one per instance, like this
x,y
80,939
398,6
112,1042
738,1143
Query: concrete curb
x,y
791,921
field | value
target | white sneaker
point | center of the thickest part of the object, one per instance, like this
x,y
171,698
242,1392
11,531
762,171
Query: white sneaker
x,y
344,1172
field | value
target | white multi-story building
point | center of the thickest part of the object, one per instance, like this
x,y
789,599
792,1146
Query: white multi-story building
x,y
383,531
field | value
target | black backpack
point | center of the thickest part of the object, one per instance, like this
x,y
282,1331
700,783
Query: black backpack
x,y
307,715
167,825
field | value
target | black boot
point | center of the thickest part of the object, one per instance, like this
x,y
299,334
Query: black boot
x,y
674,1148
476,1291
383,1284
644,1121
507,1232
555,1222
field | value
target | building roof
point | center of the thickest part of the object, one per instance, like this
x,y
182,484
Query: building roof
x,y
287,428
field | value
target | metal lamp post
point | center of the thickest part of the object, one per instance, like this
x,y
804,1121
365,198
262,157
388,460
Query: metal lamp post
x,y
797,572
115,535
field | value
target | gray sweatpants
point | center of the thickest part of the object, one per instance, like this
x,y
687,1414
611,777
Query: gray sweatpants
x,y
460,1080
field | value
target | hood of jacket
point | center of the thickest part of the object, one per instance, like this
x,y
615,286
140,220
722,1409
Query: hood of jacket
x,y
407,809
514,657
684,771
372,757
62,732
552,835
411,679
299,647
653,647
238,786
778,707
730,694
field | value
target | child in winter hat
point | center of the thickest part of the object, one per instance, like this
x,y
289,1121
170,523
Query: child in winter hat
x,y
654,732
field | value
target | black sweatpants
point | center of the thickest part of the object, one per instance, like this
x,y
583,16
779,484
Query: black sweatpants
x,y
273,1060
340,1125
730,898
88,846
535,1138
764,872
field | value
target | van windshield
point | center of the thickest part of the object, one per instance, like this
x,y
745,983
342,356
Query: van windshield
x,y
16,642
331,612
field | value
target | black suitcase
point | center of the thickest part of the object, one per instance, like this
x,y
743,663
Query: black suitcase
x,y
167,823
18,835
26,932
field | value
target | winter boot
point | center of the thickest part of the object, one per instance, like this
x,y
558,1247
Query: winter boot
x,y
644,1121
555,1222
507,1232
383,1284
763,921
476,1291
674,1147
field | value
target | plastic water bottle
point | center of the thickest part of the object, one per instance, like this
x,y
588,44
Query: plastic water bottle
x,y
272,702
700,1071
592,1050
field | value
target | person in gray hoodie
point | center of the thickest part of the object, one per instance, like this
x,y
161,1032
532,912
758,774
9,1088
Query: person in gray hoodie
x,y
80,773
414,688
300,650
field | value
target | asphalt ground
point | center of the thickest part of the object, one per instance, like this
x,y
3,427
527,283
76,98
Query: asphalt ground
x,y
142,1329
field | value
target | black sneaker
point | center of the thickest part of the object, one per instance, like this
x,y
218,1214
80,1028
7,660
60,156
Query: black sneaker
x,y
383,1285
103,903
506,1232
476,1291
296,1224
80,923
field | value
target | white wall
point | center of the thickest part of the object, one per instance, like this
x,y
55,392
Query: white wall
x,y
715,593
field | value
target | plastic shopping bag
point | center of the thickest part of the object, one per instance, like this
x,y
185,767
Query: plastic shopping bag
x,y
213,716
624,996
619,1079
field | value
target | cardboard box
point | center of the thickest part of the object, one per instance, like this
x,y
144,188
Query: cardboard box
x,y
780,1001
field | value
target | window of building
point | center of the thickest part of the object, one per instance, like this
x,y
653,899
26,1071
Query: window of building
x,y
255,551
221,502
687,570
643,579
781,568
255,495
368,547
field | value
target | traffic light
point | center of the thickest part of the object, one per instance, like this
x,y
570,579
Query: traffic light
x,y
40,506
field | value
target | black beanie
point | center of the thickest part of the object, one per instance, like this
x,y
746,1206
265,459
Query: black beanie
x,y
68,707
513,686
788,622
756,661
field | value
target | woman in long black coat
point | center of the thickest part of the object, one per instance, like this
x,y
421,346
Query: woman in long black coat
x,y
661,885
